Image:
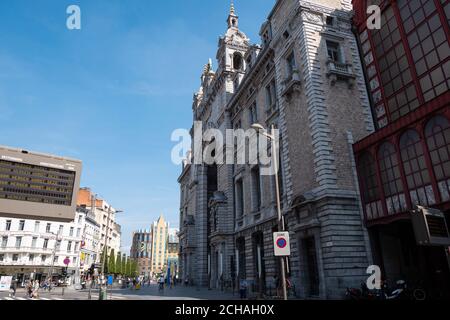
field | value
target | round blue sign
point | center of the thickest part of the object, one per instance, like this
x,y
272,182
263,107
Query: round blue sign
x,y
281,243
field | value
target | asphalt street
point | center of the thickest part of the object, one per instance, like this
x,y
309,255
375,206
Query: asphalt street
x,y
145,293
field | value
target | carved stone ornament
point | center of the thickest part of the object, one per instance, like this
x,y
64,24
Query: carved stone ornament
x,y
312,17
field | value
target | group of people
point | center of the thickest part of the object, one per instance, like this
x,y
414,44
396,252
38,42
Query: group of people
x,y
162,281
32,288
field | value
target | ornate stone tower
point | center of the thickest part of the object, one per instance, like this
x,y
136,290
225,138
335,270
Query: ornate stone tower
x,y
209,190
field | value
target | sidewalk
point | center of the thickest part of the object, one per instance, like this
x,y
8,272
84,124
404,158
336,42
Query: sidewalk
x,y
176,293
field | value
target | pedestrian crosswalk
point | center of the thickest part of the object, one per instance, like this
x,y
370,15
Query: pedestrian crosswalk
x,y
27,298
94,297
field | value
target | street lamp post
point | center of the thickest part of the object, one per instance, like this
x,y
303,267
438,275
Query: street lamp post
x,y
102,287
50,273
281,226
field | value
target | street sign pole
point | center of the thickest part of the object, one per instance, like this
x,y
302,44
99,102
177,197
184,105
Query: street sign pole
x,y
66,262
280,217
103,290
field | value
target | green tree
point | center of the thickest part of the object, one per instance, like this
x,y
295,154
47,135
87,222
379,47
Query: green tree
x,y
119,263
111,262
124,264
128,268
104,259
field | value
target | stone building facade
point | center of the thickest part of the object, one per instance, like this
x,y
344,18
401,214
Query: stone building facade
x,y
305,79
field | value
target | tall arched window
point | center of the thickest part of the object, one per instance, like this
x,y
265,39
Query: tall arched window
x,y
238,61
391,179
437,132
416,171
371,195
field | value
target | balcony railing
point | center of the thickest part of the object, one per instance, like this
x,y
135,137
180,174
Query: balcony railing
x,y
340,71
6,249
291,85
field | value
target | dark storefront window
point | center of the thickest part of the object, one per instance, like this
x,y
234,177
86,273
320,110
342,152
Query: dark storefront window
x,y
437,132
368,175
391,179
415,168
312,266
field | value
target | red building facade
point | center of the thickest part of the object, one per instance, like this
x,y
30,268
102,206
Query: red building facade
x,y
406,162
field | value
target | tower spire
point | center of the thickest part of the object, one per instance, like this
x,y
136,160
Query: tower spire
x,y
233,19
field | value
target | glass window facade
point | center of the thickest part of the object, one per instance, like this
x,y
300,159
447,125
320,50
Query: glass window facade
x,y
409,57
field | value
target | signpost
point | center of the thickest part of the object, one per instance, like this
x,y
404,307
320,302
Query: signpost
x,y
281,244
5,283
66,262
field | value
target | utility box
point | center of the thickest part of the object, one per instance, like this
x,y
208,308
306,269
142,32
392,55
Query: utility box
x,y
430,227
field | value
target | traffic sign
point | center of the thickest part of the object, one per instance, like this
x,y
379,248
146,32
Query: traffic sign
x,y
66,261
281,244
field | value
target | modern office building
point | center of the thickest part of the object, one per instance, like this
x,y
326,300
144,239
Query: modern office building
x,y
141,250
406,162
160,236
38,186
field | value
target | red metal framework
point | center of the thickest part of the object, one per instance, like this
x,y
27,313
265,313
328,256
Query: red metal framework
x,y
406,161
407,169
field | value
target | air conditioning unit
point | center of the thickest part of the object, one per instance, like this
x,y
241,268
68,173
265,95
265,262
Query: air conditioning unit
x,y
430,227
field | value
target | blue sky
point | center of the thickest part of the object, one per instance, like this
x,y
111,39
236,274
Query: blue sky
x,y
111,93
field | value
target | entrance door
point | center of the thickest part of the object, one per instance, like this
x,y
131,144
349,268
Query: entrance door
x,y
311,266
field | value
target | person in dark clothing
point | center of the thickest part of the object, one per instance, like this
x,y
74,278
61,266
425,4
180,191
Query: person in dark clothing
x,y
13,287
174,281
243,288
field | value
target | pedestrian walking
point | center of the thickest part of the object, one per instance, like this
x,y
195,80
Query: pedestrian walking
x,y
13,288
186,280
243,285
161,283
29,287
36,287
174,281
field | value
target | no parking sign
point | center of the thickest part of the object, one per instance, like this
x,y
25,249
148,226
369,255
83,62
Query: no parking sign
x,y
281,244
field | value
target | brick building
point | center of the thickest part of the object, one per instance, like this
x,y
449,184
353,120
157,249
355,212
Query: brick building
x,y
141,250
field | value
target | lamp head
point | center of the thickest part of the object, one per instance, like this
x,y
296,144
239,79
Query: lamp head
x,y
257,127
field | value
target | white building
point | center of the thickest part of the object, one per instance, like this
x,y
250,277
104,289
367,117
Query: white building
x,y
103,210
32,248
90,239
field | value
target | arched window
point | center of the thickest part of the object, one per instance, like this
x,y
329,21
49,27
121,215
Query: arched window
x,y
371,195
416,171
391,179
437,132
237,61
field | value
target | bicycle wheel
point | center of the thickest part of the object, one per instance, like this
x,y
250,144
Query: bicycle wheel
x,y
419,294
